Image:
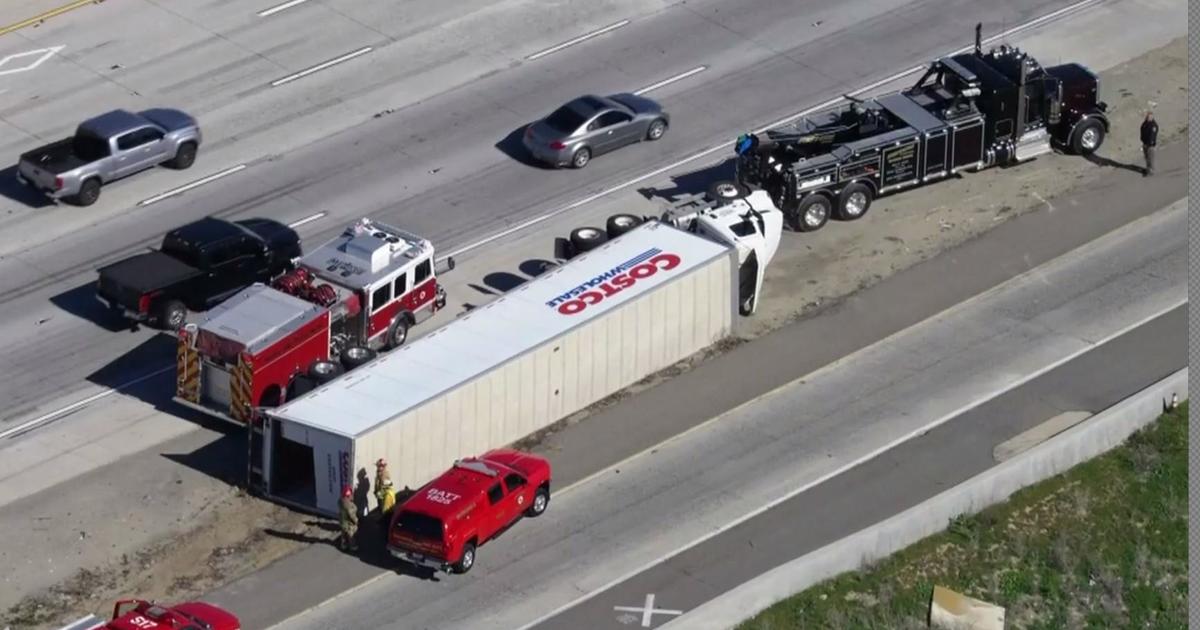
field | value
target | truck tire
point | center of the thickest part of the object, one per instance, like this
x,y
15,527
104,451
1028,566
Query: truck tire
x,y
89,193
185,156
466,561
582,156
355,356
619,224
300,385
726,190
656,130
324,371
397,333
1087,137
854,201
812,213
585,239
541,499
171,315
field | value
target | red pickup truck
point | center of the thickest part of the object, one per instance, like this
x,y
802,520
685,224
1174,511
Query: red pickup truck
x,y
139,614
443,523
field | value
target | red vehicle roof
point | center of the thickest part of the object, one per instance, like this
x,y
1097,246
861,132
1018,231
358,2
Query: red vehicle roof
x,y
447,495
150,616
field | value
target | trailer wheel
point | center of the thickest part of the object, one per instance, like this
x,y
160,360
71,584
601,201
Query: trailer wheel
x,y
812,213
619,224
854,201
1088,136
585,239
467,560
355,356
171,315
324,371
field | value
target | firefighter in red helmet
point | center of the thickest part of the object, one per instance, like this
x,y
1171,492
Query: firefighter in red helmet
x,y
349,520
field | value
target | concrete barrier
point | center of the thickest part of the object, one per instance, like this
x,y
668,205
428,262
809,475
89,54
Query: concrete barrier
x,y
1097,435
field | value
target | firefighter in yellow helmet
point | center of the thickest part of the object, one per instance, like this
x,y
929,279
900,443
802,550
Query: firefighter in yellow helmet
x,y
386,505
382,476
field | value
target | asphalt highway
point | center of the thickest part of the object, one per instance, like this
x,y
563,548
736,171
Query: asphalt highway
x,y
891,483
432,166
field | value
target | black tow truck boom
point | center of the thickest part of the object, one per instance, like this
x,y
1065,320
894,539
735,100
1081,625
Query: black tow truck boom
x,y
967,112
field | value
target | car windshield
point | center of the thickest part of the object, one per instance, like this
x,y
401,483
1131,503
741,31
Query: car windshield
x,y
419,525
88,147
565,119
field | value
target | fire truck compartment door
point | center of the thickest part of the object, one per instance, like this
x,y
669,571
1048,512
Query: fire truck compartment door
x,y
214,386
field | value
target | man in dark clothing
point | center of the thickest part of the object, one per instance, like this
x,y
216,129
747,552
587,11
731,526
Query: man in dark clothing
x,y
1149,141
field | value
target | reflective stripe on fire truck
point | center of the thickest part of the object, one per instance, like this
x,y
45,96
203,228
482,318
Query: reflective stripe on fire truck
x,y
187,368
239,389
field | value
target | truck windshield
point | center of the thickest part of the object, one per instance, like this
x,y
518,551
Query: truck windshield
x,y
88,147
182,252
419,525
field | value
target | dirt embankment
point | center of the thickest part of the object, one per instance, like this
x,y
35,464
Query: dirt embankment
x,y
239,534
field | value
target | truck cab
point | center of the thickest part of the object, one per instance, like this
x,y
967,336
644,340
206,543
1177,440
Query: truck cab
x,y
442,525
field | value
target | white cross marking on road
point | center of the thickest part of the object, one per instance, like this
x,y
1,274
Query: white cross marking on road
x,y
648,611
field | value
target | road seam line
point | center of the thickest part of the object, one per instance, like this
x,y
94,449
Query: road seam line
x,y
308,219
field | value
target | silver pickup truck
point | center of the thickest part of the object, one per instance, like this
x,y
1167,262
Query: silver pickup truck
x,y
108,147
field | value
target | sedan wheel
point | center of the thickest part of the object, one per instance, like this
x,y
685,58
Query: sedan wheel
x,y
656,131
581,158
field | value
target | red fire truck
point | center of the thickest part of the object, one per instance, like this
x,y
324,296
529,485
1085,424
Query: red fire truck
x,y
354,296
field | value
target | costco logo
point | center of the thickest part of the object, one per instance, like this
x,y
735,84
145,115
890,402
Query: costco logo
x,y
614,281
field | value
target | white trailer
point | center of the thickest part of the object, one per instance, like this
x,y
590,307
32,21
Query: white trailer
x,y
590,327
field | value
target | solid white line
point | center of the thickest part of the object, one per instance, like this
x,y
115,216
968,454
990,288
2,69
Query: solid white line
x,y
314,217
581,38
678,77
199,182
280,7
852,464
76,405
725,145
322,66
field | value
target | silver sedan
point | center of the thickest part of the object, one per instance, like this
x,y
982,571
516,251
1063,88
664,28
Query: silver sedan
x,y
590,125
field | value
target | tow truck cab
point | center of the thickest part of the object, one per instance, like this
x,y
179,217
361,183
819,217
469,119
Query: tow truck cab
x,y
445,521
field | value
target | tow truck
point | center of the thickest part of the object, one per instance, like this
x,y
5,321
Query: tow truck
x,y
353,297
139,614
967,112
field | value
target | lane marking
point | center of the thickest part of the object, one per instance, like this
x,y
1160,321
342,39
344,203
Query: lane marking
x,y
841,470
725,145
321,66
76,405
310,219
648,611
280,7
41,17
45,53
200,182
577,40
665,82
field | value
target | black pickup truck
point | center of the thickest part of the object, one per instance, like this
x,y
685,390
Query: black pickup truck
x,y
198,266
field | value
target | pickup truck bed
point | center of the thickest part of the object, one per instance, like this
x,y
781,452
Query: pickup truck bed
x,y
125,281
55,158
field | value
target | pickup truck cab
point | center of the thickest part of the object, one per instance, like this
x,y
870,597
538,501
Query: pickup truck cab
x,y
198,266
444,522
108,147
138,614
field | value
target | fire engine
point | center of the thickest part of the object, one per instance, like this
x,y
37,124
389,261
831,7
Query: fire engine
x,y
354,296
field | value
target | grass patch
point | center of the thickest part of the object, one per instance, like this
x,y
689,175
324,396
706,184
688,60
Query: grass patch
x,y
1103,545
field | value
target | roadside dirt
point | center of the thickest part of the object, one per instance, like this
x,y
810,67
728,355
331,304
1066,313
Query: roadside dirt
x,y
239,534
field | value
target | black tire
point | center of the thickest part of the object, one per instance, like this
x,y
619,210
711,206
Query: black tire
x,y
324,371
812,213
397,333
656,130
466,561
271,397
89,193
854,201
1087,137
300,386
185,156
541,499
619,224
172,314
581,158
585,239
726,190
355,356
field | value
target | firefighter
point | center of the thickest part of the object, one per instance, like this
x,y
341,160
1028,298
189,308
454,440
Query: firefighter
x,y
382,476
349,521
386,505
1149,142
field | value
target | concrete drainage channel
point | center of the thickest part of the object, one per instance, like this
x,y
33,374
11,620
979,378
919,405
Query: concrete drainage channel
x,y
1082,442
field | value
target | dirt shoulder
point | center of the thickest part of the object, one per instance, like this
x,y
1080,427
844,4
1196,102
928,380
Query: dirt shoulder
x,y
232,535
